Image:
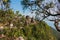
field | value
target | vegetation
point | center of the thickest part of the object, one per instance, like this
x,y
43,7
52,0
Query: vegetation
x,y
13,25
43,9
38,31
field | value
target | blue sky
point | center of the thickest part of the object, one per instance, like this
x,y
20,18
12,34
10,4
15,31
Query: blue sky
x,y
16,6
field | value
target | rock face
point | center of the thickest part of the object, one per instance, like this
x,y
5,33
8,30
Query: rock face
x,y
2,35
20,38
11,25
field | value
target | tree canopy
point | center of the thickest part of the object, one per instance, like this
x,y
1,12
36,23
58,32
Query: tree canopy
x,y
42,10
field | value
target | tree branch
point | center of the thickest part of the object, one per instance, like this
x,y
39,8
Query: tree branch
x,y
48,13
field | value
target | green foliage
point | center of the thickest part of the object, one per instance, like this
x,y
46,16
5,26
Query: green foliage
x,y
32,32
6,15
40,31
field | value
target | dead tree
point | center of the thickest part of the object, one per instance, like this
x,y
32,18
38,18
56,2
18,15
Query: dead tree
x,y
27,21
56,23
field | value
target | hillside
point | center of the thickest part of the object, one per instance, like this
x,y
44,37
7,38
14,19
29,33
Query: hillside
x,y
56,33
14,26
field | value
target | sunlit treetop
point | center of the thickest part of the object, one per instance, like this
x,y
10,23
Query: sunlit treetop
x,y
6,0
